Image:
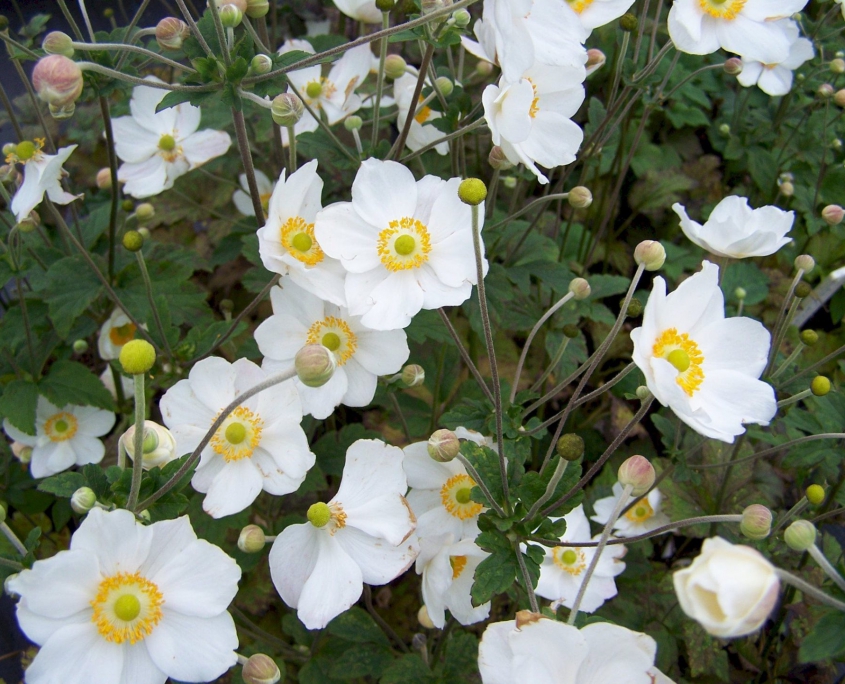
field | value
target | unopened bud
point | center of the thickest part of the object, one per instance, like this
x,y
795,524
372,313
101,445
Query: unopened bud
x,y
314,365
287,109
255,9
227,305
837,66
839,97
595,59
637,472
820,386
80,346
171,33
833,214
261,669
144,233
9,148
635,308
137,357
145,211
127,205
804,262
628,22
570,447
260,64
353,123
413,375
444,85
756,522
443,446
231,15
57,80
740,293
104,179
724,130
472,191
132,241
809,337
158,445
800,535
251,539
424,619
650,254
462,18
836,144
580,197
497,158
571,331
642,392
787,189
483,68
509,182
579,288
58,43
385,5
394,67
83,500
815,494
825,91
803,289
22,452
733,66
429,6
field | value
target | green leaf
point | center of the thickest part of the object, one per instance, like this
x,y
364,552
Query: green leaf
x,y
71,288
357,626
486,463
63,484
533,485
18,404
97,480
494,575
69,382
237,70
408,669
461,661
172,99
825,640
362,660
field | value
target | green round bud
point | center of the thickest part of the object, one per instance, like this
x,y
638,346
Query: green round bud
x,y
227,305
637,472
643,392
255,9
733,66
580,197
137,357
314,365
58,43
144,233
108,13
833,214
815,494
319,514
444,85
580,288
635,308
462,18
127,205
413,375
570,447
132,240
443,446
571,331
83,500
725,130
740,293
820,385
628,22
756,522
145,211
353,123
260,64
80,346
809,337
650,254
472,191
394,67
839,97
251,539
803,289
4,22
261,669
231,16
287,109
805,262
9,148
800,535
385,5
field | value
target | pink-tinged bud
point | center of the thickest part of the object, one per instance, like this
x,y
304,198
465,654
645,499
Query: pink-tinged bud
x,y
825,90
314,365
261,669
58,43
650,254
579,288
443,446
833,214
595,60
637,472
171,33
580,197
733,66
498,160
104,179
839,97
756,522
57,80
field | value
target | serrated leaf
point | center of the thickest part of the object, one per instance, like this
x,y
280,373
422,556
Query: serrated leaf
x,y
96,479
357,626
494,575
825,640
69,382
18,403
71,289
407,669
362,660
63,484
461,661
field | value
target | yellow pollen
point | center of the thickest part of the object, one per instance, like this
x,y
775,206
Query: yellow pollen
x,y
336,336
265,201
121,334
535,103
458,564
579,6
570,560
127,607
681,352
238,436
423,113
322,89
641,512
297,237
722,9
25,151
168,149
404,244
452,493
61,426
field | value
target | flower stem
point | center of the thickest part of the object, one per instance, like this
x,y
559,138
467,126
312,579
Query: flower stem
x,y
96,47
399,145
795,398
132,24
550,489
789,361
13,538
776,331
465,354
138,443
526,578
809,589
14,565
772,450
115,187
291,149
148,286
473,473
827,566
194,28
382,56
552,364
797,509
246,159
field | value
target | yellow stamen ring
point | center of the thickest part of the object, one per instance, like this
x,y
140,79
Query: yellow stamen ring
x,y
641,512
722,9
61,426
684,355
458,564
570,560
238,436
297,237
404,244
336,336
127,607
455,497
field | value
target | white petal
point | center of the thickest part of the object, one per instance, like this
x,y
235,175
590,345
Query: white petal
x,y
379,560
234,488
205,145
59,587
383,191
77,654
118,542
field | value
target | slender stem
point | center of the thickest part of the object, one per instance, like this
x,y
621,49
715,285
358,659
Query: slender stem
x,y
148,286
709,67
138,443
7,105
27,327
550,489
772,450
194,28
526,578
385,24
726,475
246,159
478,123
797,509
85,18
617,72
473,473
817,364
13,538
795,398
100,69
291,149
322,124
395,402
552,364
218,29
809,589
88,47
70,20
827,566
255,37
128,35
399,145
528,207
386,628
115,187
773,351
465,354
14,565
789,361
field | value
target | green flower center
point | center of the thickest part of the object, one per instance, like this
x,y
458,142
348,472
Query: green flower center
x,y
314,89
167,143
319,514
404,245
235,433
569,557
60,426
331,341
127,607
25,150
302,242
679,359
463,495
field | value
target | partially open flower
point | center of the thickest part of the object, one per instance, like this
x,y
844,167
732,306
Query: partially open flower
x,y
159,445
57,80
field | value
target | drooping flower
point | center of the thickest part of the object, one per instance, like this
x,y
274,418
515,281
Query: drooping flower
x,y
362,354
364,534
530,118
564,567
129,603
776,78
644,517
158,147
729,589
746,27
736,230
63,437
406,244
286,242
241,198
42,173
703,366
422,132
259,446
114,333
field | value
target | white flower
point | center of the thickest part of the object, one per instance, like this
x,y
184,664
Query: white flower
x,y
543,651
158,445
776,78
286,242
595,13
130,604
422,132
300,318
703,366
564,567
127,384
114,333
242,199
736,230
439,495
746,27
360,10
41,173
475,436
729,589
447,570
406,245
259,446
362,535
530,118
644,517
63,437
158,148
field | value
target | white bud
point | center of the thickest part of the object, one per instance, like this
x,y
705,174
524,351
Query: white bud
x,y
251,539
83,500
159,444
443,446
650,254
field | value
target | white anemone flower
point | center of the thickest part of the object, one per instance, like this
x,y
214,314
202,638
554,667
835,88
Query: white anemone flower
x,y
530,118
360,10
42,173
130,604
644,517
422,132
158,147
736,230
364,534
440,495
543,651
564,567
300,318
596,13
286,242
448,568
406,244
64,437
114,333
259,446
242,199
703,366
746,27
776,78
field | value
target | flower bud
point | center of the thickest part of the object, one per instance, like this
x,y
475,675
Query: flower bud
x,y
104,179
394,67
260,668
809,337
637,472
803,289
353,123
314,365
571,331
733,66
820,386
83,500
444,85
800,535
30,223
227,305
579,288
58,43
144,233
642,392
127,205
839,97
220,4
650,254
580,197
159,445
22,452
443,446
57,80
145,211
137,357
497,158
472,191
231,16
833,214
628,22
132,241
570,447
483,68
429,6
787,189
287,109
462,18
10,148
740,293
805,262
424,619
725,130
251,539
837,66
80,346
815,494
509,182
824,91
635,308
595,59
171,33
413,375
836,144
260,64
756,522
255,9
